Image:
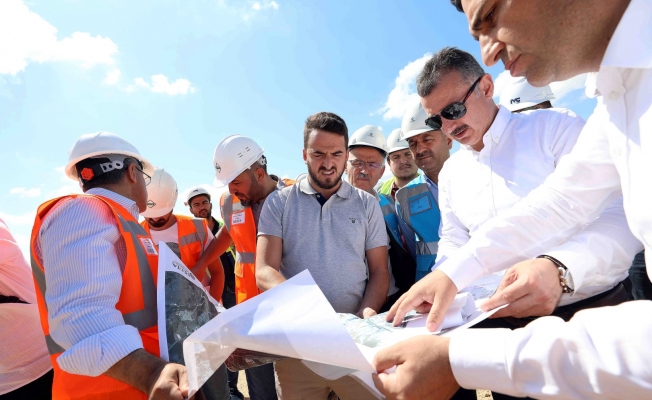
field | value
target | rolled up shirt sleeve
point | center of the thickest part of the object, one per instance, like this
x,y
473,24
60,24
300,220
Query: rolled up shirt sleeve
x,y
600,353
79,248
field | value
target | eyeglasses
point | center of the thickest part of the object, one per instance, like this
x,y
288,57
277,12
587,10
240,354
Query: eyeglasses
x,y
452,111
148,179
360,164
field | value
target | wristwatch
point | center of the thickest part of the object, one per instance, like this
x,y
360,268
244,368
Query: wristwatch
x,y
565,278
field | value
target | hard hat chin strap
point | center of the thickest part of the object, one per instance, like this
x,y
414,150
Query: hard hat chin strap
x,y
88,173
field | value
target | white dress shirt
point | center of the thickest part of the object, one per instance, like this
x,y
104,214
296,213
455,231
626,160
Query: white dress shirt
x,y
23,354
520,152
83,254
600,353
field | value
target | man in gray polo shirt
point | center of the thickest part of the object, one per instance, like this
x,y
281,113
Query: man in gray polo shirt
x,y
325,225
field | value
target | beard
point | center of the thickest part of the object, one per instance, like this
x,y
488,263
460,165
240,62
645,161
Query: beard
x,y
254,195
206,214
328,183
158,223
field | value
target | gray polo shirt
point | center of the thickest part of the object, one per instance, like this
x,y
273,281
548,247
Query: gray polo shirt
x,y
330,240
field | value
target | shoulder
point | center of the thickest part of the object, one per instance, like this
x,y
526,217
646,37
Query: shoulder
x,y
367,199
560,116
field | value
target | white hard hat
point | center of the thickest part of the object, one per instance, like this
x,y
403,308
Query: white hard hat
x,y
520,94
102,144
233,155
395,142
414,121
370,136
196,191
161,194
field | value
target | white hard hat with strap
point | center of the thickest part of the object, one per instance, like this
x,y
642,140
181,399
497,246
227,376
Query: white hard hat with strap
x,y
520,94
370,136
232,156
162,194
414,121
395,142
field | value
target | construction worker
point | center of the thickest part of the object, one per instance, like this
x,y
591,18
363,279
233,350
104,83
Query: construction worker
x,y
99,267
366,164
417,202
401,163
187,237
519,96
198,200
240,164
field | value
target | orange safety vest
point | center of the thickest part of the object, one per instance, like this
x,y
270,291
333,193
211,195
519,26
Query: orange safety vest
x,y
192,234
137,303
239,221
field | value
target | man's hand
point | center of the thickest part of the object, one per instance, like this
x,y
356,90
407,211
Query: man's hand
x,y
423,370
366,313
531,288
170,381
433,294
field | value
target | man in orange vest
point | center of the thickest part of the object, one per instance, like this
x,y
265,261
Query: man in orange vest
x,y
95,272
188,237
239,163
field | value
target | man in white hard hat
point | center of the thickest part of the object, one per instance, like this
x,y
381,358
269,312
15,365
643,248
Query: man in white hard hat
x,y
198,200
600,353
239,163
188,237
417,203
401,163
365,167
94,267
519,96
335,231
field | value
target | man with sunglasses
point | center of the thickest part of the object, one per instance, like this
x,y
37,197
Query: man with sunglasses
x,y
365,166
600,353
94,267
417,204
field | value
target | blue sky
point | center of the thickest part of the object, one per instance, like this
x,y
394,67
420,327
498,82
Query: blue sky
x,y
174,78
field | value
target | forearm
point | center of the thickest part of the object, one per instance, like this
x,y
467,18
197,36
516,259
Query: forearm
x,y
267,277
216,270
601,352
375,293
139,369
215,249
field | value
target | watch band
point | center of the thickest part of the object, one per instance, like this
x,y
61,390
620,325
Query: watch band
x,y
564,280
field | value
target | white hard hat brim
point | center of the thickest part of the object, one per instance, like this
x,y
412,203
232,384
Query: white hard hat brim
x,y
71,171
218,183
397,148
415,132
361,144
149,213
518,106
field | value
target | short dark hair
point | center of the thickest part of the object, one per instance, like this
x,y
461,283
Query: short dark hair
x,y
447,60
325,121
260,163
458,5
107,178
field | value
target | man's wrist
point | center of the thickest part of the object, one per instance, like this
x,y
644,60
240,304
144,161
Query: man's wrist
x,y
565,278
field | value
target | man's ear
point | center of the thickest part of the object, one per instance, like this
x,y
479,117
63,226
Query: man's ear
x,y
132,173
487,86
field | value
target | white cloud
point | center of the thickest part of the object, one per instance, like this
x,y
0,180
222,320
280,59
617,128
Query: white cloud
x,y
24,219
264,5
404,93
560,89
112,77
24,192
161,84
68,186
25,37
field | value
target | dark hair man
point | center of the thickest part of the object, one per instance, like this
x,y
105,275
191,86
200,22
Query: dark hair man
x,y
602,352
325,225
400,162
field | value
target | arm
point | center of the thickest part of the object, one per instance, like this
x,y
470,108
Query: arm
x,y
600,353
216,270
151,375
269,250
215,249
16,274
375,293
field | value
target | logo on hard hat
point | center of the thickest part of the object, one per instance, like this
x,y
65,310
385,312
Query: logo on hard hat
x,y
218,168
371,134
515,101
412,119
150,204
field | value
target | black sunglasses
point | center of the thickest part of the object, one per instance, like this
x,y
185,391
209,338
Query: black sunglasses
x,y
452,111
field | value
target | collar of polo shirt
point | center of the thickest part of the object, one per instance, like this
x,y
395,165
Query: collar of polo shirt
x,y
344,191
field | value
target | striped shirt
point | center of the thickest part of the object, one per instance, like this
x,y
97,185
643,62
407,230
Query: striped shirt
x,y
84,254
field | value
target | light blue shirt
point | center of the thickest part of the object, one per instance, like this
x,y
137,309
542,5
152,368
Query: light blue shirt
x,y
84,254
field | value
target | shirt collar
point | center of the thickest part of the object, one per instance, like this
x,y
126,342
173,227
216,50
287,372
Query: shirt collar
x,y
344,191
497,127
430,182
631,44
128,204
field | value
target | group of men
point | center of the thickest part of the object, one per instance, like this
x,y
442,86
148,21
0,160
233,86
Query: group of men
x,y
556,205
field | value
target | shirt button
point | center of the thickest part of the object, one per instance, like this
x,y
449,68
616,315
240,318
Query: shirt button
x,y
614,95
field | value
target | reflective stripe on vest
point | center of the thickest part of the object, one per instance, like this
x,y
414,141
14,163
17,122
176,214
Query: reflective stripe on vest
x,y
243,233
391,219
418,208
192,234
136,303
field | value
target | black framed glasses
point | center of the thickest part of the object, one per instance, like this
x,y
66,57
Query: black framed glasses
x,y
452,111
360,164
148,179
